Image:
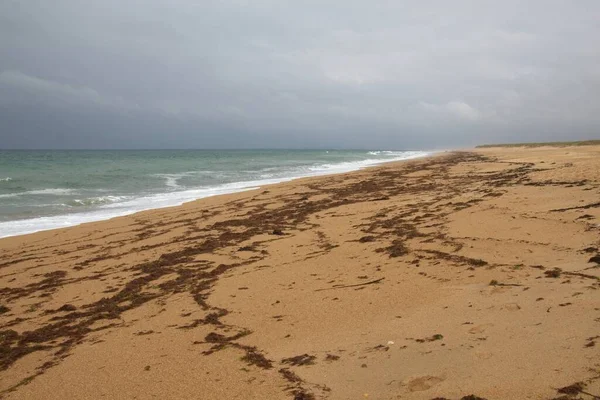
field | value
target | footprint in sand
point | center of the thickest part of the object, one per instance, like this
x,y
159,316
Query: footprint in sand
x,y
499,289
423,383
480,328
484,355
511,307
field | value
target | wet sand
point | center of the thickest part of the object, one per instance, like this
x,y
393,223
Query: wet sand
x,y
466,273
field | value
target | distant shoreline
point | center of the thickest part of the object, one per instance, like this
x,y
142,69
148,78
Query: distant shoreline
x,y
592,142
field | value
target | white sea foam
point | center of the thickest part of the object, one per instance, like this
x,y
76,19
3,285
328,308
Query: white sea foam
x,y
348,166
387,153
51,192
171,179
7,179
129,205
55,192
92,201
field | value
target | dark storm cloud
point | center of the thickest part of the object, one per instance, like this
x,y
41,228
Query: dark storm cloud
x,y
185,73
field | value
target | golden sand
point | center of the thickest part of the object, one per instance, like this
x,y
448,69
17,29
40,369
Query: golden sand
x,y
466,273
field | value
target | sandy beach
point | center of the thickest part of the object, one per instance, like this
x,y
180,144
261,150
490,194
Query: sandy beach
x,y
465,273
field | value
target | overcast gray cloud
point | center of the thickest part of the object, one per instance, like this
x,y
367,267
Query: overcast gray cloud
x,y
275,73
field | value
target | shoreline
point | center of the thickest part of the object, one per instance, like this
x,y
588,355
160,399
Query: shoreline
x,y
461,273
219,190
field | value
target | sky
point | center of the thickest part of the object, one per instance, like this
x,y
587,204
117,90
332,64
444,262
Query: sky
x,y
374,74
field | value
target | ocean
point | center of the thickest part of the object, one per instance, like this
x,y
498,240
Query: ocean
x,y
41,190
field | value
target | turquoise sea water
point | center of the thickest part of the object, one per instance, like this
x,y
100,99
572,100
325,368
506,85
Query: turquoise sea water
x,y
42,190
